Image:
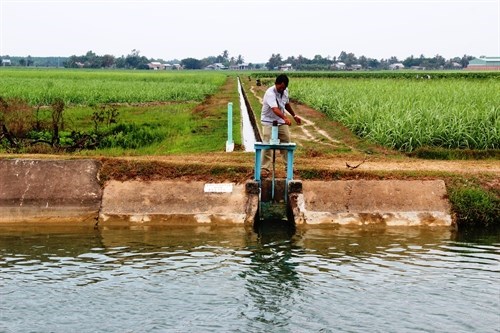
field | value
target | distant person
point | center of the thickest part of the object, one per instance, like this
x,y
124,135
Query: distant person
x,y
274,104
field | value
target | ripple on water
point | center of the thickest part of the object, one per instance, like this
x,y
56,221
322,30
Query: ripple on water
x,y
318,281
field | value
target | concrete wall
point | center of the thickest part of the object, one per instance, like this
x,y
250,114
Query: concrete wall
x,y
175,202
49,191
373,202
69,191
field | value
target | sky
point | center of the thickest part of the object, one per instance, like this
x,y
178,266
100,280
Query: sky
x,y
254,29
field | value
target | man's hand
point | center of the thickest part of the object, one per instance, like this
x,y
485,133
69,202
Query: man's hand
x,y
287,121
297,119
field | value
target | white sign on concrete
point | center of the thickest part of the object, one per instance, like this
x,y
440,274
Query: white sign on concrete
x,y
218,188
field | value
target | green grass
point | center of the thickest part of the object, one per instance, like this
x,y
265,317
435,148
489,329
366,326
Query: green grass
x,y
156,109
475,207
407,114
91,87
153,130
455,154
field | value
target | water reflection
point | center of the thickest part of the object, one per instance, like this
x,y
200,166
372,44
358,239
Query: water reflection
x,y
210,279
271,279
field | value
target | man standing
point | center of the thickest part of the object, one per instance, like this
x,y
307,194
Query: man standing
x,y
275,102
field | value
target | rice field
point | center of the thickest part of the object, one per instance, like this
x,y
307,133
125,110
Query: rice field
x,y
405,114
155,109
458,111
92,87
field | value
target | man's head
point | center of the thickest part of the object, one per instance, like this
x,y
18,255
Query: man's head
x,y
281,83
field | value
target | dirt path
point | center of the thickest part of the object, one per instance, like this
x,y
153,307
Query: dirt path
x,y
340,162
331,163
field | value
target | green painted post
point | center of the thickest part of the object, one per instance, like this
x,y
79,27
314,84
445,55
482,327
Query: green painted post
x,y
230,122
229,143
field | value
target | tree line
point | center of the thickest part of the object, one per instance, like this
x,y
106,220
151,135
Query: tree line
x,y
350,61
134,60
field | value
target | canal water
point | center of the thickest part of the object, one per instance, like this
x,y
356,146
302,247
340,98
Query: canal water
x,y
203,279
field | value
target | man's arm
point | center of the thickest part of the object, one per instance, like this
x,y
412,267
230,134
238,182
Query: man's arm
x,y
297,119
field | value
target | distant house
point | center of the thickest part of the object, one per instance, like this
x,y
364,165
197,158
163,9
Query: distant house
x,y
484,64
356,67
156,65
396,66
216,66
6,62
285,67
239,67
456,65
338,66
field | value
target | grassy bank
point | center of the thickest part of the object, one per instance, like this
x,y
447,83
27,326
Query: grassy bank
x,y
161,120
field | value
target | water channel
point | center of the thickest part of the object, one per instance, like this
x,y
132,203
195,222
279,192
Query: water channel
x,y
273,279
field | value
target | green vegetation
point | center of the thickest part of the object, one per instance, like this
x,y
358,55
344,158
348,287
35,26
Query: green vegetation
x,y
91,87
430,153
395,74
155,130
346,60
403,114
115,112
407,114
475,207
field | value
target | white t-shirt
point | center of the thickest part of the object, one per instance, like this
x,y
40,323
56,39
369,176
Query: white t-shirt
x,y
272,99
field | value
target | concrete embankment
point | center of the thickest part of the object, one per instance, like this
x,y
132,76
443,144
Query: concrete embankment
x,y
176,202
69,191
41,190
372,202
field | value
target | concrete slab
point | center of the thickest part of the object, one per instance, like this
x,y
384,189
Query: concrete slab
x,y
374,202
49,190
171,202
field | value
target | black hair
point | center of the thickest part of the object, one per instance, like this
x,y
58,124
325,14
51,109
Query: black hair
x,y
282,78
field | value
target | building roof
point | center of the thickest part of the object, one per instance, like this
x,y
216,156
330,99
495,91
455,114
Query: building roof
x,y
396,65
217,65
338,64
485,61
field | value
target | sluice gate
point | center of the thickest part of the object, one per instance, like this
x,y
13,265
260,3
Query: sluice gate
x,y
273,198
